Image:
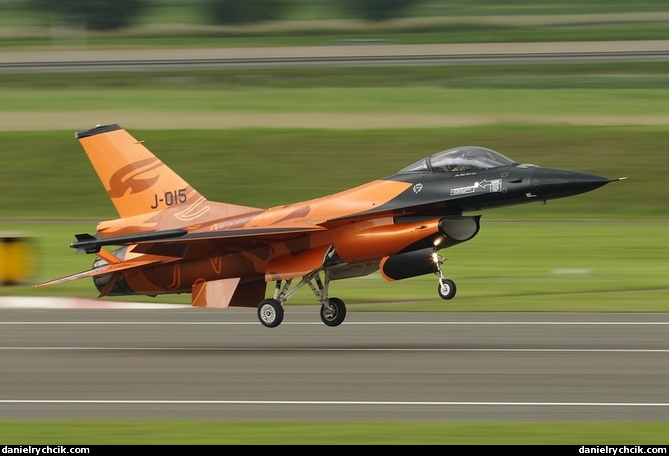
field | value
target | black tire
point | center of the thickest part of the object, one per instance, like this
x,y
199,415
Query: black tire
x,y
270,313
446,289
335,316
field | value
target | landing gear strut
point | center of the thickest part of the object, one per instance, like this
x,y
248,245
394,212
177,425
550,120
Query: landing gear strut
x,y
446,287
333,310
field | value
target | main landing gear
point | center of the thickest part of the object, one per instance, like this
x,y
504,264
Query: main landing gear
x,y
333,310
446,287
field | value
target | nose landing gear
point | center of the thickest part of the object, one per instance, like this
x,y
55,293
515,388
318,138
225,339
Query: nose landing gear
x,y
446,287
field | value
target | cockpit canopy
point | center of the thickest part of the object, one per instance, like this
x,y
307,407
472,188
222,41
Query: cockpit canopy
x,y
460,159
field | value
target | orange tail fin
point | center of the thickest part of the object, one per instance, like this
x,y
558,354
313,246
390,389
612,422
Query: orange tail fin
x,y
136,180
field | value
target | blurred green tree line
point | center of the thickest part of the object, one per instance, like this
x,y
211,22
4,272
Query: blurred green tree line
x,y
116,14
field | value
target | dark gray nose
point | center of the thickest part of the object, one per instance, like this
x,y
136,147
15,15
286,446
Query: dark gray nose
x,y
549,183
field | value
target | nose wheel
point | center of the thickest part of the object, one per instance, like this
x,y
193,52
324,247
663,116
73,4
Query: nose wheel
x,y
446,287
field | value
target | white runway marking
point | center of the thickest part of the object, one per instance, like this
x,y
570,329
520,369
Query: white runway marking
x,y
303,349
393,403
348,323
32,302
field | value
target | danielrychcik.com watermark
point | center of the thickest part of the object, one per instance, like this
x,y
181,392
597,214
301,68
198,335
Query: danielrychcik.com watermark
x,y
38,450
619,450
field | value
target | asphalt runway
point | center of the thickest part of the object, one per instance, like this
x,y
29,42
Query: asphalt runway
x,y
175,362
69,60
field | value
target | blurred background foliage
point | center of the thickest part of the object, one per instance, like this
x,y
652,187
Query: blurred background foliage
x,y
296,22
108,15
111,15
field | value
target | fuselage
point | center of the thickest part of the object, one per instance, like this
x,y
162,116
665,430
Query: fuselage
x,y
377,220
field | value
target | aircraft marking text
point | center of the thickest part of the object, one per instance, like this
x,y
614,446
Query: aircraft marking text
x,y
170,198
493,185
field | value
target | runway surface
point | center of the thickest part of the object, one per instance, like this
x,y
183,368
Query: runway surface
x,y
174,362
70,60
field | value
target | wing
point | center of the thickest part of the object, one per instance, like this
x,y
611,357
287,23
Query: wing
x,y
172,242
109,268
172,245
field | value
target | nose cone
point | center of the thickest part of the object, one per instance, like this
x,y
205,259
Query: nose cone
x,y
552,183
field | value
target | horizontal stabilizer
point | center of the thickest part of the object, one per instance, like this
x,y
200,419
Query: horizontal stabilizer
x,y
79,275
108,269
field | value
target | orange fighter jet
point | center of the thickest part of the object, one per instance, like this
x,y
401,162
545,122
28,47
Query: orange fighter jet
x,y
171,239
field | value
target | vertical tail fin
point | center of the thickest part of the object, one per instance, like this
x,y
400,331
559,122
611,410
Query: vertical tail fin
x,y
136,180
